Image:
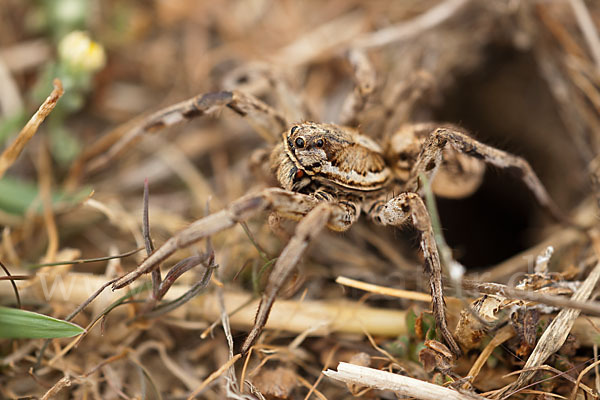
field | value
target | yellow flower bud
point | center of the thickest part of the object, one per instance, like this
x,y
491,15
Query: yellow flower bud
x,y
80,52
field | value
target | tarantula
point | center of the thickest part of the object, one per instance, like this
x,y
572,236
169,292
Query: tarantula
x,y
330,174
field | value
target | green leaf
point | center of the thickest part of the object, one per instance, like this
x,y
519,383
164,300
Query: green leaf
x,y
17,195
21,324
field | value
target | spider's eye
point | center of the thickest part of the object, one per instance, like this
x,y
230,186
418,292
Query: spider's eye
x,y
320,143
299,143
293,129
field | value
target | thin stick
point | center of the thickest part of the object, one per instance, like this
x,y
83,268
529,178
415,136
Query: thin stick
x,y
596,371
580,377
62,383
587,27
369,287
307,385
501,336
156,276
12,282
214,376
402,385
44,167
313,387
590,307
13,151
409,29
85,260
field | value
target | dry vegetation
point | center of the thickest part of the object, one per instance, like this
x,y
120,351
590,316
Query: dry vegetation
x,y
521,75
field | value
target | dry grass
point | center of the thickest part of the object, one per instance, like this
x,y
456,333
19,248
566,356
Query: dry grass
x,y
521,75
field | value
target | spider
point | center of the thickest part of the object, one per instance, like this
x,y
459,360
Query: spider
x,y
329,174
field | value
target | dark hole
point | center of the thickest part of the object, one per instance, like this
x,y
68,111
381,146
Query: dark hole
x,y
492,224
507,104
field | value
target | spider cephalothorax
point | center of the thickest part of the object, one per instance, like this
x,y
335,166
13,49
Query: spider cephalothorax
x,y
328,156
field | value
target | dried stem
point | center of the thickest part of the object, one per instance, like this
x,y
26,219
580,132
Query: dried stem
x,y
402,385
11,153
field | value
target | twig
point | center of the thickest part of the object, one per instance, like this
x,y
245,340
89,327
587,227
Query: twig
x,y
14,285
62,383
312,391
326,38
501,336
596,370
406,30
84,260
313,387
377,289
402,385
13,151
557,374
580,377
214,376
44,170
227,331
156,277
183,374
590,307
587,27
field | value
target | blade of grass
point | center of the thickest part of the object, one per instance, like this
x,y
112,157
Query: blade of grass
x,y
22,324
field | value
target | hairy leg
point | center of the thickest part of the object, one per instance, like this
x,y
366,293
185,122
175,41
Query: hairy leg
x,y
430,159
263,118
290,204
337,216
409,207
309,227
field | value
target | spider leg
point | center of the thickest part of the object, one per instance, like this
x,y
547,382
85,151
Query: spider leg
x,y
409,207
263,118
325,214
430,158
290,204
365,79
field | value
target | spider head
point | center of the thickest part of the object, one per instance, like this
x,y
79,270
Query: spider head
x,y
302,153
309,145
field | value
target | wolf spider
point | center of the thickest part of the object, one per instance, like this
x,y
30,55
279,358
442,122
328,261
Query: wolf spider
x,y
329,174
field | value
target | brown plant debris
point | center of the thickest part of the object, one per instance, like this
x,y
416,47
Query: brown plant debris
x,y
256,150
